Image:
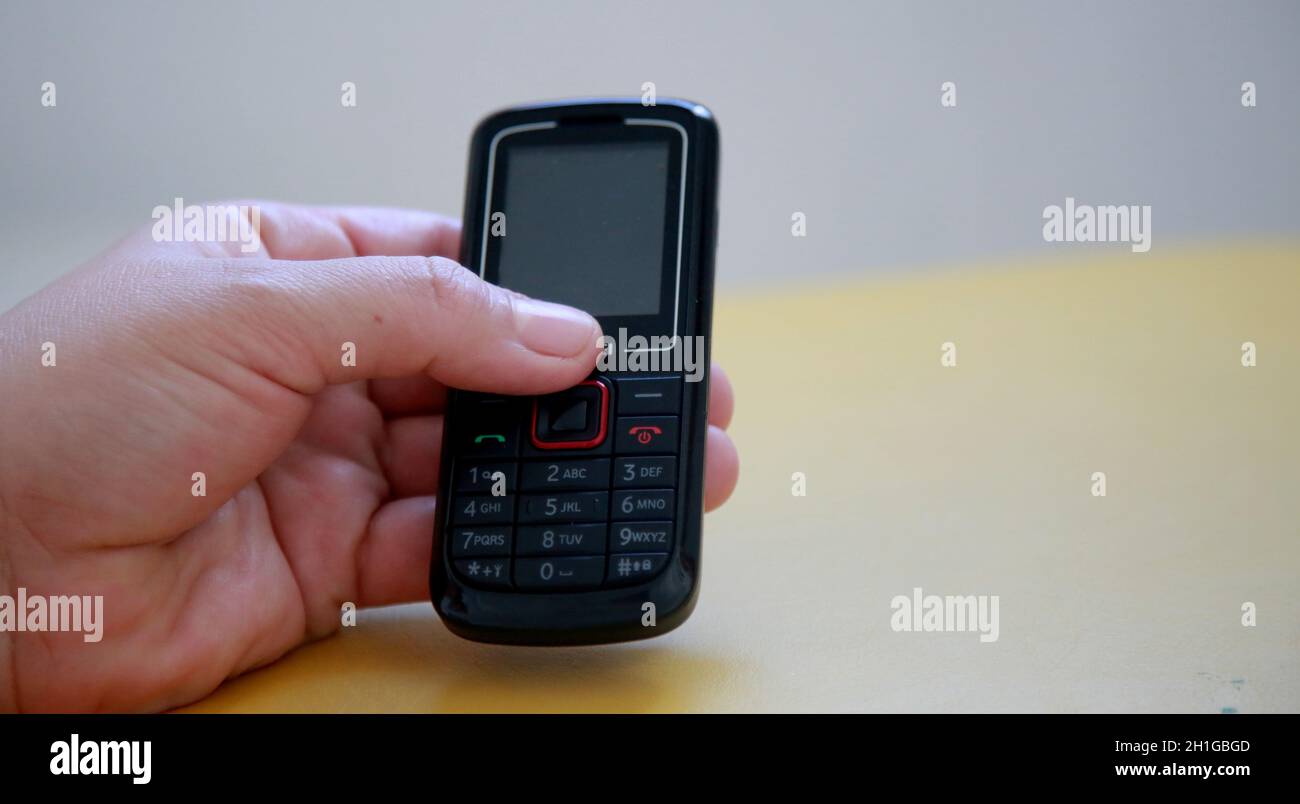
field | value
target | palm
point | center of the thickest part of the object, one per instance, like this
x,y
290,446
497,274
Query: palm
x,y
270,567
321,496
288,545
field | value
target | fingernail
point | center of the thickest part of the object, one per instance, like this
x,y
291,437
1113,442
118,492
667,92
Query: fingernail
x,y
554,329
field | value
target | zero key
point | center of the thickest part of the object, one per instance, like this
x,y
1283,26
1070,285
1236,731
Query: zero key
x,y
570,572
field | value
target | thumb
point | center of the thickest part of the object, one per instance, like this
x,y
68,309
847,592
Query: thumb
x,y
164,366
335,321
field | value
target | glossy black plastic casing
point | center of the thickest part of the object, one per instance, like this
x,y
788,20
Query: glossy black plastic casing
x,y
614,614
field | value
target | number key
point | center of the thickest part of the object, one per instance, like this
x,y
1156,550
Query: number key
x,y
486,541
590,473
485,478
569,572
554,540
586,506
657,504
645,472
479,510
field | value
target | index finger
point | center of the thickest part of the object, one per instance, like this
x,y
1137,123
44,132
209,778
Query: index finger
x,y
302,232
293,232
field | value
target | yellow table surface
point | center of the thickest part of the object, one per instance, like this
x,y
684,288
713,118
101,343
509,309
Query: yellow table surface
x,y
975,479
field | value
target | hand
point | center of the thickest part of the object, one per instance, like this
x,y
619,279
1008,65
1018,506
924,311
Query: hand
x,y
178,358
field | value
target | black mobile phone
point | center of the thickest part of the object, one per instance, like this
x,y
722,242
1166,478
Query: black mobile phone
x,y
574,518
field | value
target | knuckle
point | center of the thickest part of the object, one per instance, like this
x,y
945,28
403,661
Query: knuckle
x,y
256,297
253,285
457,290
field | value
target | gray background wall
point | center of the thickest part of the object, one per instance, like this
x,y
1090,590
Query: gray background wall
x,y
827,108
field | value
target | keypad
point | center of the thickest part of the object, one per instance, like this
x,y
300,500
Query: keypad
x,y
568,492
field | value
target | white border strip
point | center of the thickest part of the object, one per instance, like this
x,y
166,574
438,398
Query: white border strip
x,y
681,219
681,202
492,166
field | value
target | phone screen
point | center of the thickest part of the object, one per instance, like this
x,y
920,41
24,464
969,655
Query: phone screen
x,y
584,224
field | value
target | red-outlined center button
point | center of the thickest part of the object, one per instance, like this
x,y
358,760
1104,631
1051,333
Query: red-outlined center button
x,y
576,418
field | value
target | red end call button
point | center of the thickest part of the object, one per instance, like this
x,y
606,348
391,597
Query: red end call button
x,y
638,435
